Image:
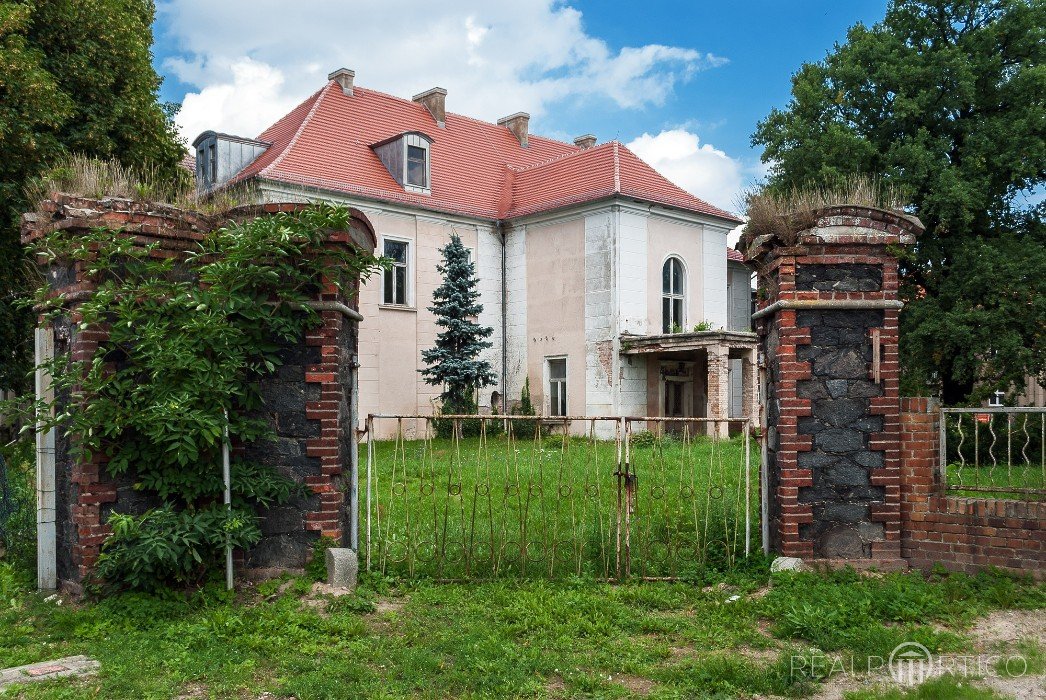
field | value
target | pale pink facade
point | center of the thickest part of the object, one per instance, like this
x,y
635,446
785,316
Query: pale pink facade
x,y
577,284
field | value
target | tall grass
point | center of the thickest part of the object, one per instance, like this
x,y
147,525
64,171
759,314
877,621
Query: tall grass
x,y
550,507
96,178
783,213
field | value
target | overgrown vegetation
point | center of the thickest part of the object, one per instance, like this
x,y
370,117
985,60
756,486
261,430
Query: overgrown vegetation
x,y
77,78
18,503
186,345
570,639
537,505
96,178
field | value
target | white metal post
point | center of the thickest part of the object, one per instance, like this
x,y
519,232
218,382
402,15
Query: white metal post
x,y
227,478
46,531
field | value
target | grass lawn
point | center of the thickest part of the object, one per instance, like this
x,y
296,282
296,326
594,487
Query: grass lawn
x,y
730,635
550,507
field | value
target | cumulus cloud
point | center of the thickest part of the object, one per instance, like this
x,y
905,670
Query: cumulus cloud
x,y
701,169
250,60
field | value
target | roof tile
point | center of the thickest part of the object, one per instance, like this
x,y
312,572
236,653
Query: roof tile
x,y
477,168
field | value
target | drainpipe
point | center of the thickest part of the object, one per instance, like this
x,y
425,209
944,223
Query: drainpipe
x,y
504,315
46,531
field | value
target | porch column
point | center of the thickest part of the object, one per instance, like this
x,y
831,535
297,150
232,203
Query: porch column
x,y
718,390
750,386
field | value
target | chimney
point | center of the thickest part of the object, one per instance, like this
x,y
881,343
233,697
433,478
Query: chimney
x,y
585,142
435,101
344,77
517,123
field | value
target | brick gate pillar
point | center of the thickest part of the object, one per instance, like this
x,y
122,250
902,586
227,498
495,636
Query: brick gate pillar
x,y
827,322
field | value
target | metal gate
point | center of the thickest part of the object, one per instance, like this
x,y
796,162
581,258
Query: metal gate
x,y
467,497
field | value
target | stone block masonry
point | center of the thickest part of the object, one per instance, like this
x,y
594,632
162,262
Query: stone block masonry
x,y
309,403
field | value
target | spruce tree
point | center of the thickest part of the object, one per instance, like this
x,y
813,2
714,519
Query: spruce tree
x,y
454,362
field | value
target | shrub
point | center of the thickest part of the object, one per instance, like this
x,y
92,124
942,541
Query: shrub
x,y
18,502
521,427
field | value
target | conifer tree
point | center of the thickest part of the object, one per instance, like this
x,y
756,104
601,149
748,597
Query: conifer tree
x,y
454,362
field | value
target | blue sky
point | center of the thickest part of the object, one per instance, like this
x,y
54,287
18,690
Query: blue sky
x,y
683,84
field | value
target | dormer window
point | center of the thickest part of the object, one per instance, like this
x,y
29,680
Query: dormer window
x,y
407,158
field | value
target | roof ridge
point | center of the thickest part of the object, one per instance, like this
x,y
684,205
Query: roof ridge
x,y
617,167
317,98
462,116
561,156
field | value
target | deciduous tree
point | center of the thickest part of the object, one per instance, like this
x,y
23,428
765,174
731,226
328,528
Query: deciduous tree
x,y
946,99
76,76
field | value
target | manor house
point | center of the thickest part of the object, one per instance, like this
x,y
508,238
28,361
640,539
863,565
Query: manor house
x,y
608,287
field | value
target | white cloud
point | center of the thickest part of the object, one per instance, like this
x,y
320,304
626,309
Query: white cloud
x,y
250,60
700,169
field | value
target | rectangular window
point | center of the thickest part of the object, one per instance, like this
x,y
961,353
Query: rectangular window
x,y
395,278
416,168
557,387
212,163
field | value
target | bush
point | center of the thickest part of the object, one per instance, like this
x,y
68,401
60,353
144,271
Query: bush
x,y
166,545
18,502
522,428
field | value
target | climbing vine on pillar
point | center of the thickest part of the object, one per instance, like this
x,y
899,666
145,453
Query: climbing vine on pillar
x,y
182,345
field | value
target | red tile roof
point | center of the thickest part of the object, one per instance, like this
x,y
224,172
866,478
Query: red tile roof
x,y
734,255
477,168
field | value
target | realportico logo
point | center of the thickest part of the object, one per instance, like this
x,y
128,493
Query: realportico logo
x,y
911,663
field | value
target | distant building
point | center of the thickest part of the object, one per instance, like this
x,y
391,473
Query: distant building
x,y
594,269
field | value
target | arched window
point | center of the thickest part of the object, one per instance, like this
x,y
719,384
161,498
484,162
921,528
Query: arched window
x,y
673,289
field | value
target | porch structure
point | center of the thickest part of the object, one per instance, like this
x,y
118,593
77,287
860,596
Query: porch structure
x,y
689,374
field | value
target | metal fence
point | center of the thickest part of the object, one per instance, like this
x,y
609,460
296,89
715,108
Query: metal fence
x,y
995,452
464,497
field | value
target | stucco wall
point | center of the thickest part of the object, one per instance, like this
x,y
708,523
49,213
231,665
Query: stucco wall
x,y
393,338
555,293
667,237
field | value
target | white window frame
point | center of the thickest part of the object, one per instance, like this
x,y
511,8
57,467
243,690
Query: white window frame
x,y
421,142
408,275
682,296
564,389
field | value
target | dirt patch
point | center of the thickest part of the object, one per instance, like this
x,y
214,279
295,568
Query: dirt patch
x,y
637,685
1023,688
556,686
1007,627
386,606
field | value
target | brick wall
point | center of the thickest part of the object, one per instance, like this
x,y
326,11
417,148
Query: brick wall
x,y
308,403
962,534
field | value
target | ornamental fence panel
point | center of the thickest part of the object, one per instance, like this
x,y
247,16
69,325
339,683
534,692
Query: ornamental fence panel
x,y
996,452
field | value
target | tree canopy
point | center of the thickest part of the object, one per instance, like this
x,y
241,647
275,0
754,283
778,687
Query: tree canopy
x,y
76,76
945,99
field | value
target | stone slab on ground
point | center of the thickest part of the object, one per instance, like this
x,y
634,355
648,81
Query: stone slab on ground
x,y
46,670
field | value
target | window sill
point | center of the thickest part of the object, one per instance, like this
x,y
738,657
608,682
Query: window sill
x,y
398,307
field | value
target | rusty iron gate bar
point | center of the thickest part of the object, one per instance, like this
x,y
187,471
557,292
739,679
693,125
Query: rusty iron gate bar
x,y
994,452
573,495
